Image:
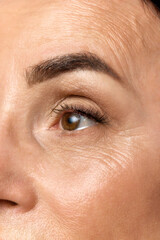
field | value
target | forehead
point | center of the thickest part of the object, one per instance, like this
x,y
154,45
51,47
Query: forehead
x,y
50,17
41,28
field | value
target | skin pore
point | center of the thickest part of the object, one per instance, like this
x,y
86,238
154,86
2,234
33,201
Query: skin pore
x,y
96,183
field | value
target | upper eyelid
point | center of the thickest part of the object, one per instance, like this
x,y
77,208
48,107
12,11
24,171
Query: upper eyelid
x,y
63,99
63,108
90,113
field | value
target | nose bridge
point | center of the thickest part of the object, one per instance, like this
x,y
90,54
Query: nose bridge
x,y
9,156
6,133
9,83
16,186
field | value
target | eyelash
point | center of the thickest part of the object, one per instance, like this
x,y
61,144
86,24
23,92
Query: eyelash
x,y
90,113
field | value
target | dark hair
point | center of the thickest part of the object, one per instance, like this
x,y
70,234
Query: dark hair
x,y
156,4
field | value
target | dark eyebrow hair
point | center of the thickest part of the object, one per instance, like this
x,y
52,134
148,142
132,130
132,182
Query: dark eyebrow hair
x,y
56,66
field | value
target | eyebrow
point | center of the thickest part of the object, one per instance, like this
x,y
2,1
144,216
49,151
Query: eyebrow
x,y
58,65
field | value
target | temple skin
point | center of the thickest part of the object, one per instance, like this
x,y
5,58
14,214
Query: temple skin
x,y
99,183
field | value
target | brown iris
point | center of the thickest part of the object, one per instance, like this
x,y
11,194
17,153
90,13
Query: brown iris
x,y
70,121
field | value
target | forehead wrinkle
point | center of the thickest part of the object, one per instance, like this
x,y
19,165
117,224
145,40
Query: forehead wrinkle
x,y
84,10
122,32
120,27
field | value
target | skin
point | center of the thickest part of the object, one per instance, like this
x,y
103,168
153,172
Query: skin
x,y
99,183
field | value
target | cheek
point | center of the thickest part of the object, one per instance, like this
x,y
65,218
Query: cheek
x,y
82,188
102,189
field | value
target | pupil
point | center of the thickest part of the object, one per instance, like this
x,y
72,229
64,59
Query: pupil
x,y
70,121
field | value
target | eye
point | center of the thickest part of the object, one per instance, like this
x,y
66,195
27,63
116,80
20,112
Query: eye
x,y
77,117
72,121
